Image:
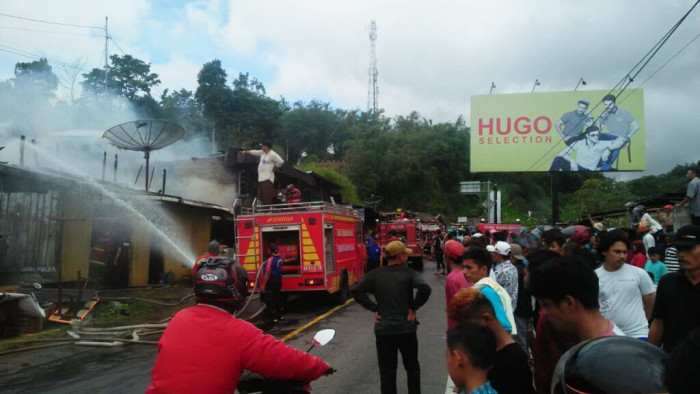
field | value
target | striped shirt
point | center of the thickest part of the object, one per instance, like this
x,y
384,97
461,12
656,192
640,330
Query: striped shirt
x,y
671,259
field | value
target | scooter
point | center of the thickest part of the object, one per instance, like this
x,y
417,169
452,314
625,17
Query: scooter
x,y
252,383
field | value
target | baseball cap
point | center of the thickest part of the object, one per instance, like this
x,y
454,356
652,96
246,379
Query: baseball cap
x,y
668,206
502,248
490,248
477,235
454,249
687,237
395,248
581,235
517,251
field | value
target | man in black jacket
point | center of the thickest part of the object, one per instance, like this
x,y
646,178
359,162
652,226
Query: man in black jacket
x,y
395,315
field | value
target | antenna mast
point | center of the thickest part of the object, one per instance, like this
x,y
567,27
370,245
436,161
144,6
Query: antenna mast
x,y
373,88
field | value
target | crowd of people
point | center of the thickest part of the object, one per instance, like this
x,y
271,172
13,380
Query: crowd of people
x,y
536,302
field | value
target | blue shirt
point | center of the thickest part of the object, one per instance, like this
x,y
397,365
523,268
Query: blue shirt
x,y
483,389
495,300
275,266
658,269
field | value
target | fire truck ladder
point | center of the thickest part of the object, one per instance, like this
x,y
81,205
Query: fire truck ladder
x,y
248,260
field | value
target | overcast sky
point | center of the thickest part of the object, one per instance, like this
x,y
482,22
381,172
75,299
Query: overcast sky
x,y
432,56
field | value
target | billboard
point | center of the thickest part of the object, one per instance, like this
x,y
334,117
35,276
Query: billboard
x,y
558,131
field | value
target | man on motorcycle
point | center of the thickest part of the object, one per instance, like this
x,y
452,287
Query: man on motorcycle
x,y
205,348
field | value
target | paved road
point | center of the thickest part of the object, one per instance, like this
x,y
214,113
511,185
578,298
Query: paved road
x,y
126,370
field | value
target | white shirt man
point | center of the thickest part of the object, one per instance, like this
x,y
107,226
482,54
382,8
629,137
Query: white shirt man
x,y
269,162
626,293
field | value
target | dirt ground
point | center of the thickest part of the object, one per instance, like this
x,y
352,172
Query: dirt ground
x,y
116,308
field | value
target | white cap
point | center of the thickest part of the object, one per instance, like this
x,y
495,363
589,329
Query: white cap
x,y
502,248
477,235
490,248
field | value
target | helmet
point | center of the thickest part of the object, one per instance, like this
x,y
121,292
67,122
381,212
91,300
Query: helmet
x,y
610,365
221,280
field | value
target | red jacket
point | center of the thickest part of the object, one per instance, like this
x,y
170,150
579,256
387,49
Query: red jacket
x,y
205,349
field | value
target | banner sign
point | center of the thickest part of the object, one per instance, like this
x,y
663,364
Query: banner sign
x,y
559,131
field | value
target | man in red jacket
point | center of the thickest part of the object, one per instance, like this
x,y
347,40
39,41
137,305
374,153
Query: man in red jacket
x,y
205,348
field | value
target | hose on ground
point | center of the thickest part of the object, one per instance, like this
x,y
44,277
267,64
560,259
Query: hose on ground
x,y
255,286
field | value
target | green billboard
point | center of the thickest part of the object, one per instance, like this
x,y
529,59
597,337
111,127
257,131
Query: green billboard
x,y
559,131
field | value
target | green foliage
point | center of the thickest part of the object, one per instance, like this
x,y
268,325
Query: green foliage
x,y
127,76
36,77
242,115
181,107
348,189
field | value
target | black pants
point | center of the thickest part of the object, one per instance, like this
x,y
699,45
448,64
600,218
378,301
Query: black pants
x,y
273,296
266,192
440,261
388,347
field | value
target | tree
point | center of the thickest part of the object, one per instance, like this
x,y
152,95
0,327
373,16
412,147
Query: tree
x,y
212,91
181,107
69,77
127,76
243,115
35,77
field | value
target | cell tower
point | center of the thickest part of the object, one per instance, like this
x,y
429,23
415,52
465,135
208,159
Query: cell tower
x,y
373,88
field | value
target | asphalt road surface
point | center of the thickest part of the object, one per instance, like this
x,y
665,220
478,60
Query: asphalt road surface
x,y
74,369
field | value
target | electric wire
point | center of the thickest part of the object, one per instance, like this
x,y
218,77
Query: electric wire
x,y
626,80
31,55
659,69
51,23
48,31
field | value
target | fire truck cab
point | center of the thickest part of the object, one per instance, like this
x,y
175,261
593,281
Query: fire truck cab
x,y
320,243
407,229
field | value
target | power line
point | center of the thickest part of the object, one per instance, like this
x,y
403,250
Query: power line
x,y
662,66
117,45
626,80
51,23
34,56
48,31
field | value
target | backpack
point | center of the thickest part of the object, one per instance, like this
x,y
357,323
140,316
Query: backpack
x,y
221,278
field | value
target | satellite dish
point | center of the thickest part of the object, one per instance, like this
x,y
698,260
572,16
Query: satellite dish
x,y
373,201
144,136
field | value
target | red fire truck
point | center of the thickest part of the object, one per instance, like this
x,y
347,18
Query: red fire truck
x,y
407,229
320,243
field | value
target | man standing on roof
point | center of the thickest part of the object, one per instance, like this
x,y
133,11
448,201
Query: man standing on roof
x,y
270,161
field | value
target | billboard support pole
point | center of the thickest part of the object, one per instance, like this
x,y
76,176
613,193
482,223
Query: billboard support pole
x,y
555,196
495,204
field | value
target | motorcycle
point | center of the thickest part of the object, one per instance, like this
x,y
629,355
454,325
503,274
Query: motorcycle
x,y
252,383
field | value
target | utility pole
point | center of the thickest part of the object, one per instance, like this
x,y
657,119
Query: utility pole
x,y
373,88
106,53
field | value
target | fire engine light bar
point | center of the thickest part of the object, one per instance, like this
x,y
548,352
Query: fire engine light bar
x,y
313,282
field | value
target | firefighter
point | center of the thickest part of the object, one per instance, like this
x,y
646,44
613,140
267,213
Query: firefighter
x,y
293,195
214,251
271,285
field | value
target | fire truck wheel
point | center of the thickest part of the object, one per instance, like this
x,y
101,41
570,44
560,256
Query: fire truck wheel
x,y
344,293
